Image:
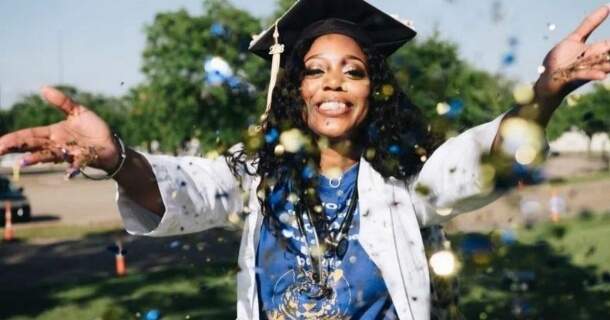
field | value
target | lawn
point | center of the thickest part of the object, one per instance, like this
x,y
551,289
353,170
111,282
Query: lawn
x,y
549,271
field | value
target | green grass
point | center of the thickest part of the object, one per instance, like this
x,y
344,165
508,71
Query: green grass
x,y
181,293
61,232
562,270
567,260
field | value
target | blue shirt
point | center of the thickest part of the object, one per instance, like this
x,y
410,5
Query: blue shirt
x,y
283,262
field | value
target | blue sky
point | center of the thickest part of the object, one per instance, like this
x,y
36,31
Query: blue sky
x,y
101,41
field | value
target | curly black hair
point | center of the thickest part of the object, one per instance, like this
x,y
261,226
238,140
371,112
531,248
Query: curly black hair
x,y
393,137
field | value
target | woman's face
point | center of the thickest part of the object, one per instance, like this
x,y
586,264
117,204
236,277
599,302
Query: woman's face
x,y
336,86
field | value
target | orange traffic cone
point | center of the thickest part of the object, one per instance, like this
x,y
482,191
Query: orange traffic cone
x,y
8,222
120,261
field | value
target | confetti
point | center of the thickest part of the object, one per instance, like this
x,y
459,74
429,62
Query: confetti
x,y
153,315
217,71
444,211
522,139
442,108
443,263
541,69
551,26
279,150
508,59
16,172
218,30
523,93
292,140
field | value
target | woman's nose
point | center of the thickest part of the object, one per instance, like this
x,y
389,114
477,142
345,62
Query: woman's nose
x,y
333,81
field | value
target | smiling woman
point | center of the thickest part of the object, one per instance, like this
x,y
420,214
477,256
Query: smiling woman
x,y
339,185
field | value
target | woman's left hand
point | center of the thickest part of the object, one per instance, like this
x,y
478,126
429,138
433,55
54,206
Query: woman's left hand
x,y
573,62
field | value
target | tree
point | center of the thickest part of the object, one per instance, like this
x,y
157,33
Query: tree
x,y
590,114
431,72
32,111
174,103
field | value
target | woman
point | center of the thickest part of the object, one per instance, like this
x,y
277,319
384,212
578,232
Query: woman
x,y
316,243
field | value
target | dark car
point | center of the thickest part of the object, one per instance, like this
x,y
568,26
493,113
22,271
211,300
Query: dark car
x,y
20,206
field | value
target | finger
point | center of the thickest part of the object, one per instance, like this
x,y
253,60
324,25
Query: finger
x,y
590,23
24,140
59,100
589,75
42,156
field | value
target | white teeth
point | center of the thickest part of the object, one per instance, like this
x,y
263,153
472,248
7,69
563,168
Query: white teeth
x,y
332,106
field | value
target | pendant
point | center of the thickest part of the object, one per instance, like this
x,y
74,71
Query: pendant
x,y
341,248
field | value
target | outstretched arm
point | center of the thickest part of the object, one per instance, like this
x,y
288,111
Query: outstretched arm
x,y
569,65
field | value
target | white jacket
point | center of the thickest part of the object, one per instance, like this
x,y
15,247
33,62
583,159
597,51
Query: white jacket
x,y
200,194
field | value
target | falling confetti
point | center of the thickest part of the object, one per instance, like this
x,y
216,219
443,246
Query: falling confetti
x,y
16,172
217,71
292,140
442,108
551,26
522,139
541,69
443,263
508,59
218,30
524,93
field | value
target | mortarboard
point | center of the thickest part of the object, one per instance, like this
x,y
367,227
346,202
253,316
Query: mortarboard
x,y
313,18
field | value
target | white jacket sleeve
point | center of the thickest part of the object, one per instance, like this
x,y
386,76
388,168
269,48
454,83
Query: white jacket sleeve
x,y
197,193
449,182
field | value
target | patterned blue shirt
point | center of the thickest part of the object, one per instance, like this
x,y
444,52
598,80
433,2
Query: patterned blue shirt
x,y
358,289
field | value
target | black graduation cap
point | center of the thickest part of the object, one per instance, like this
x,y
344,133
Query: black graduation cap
x,y
355,18
313,18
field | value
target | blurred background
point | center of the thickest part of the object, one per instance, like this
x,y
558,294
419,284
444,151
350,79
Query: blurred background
x,y
175,77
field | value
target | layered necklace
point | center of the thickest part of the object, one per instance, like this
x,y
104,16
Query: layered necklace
x,y
334,244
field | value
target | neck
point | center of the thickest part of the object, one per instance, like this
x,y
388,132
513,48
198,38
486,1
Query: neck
x,y
339,155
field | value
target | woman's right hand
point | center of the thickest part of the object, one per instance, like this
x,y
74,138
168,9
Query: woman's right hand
x,y
82,139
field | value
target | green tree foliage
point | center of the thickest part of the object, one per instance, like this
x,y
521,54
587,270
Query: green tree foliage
x,y
590,114
32,111
175,104
430,71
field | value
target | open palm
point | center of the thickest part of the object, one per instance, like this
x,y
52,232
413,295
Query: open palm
x,y
83,138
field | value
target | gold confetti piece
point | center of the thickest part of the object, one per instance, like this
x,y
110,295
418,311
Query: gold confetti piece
x,y
387,90
293,198
443,263
279,150
16,172
370,154
526,155
333,173
212,155
234,218
541,69
444,211
442,108
292,140
519,133
523,93
572,100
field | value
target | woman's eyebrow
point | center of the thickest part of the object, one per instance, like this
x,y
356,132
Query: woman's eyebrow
x,y
347,57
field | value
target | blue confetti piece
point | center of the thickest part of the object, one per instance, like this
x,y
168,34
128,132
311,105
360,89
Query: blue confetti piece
x,y
513,41
234,82
456,108
218,30
394,149
508,59
153,315
308,172
271,136
475,244
508,237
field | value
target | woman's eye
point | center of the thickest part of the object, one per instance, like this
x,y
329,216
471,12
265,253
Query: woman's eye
x,y
313,71
356,73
